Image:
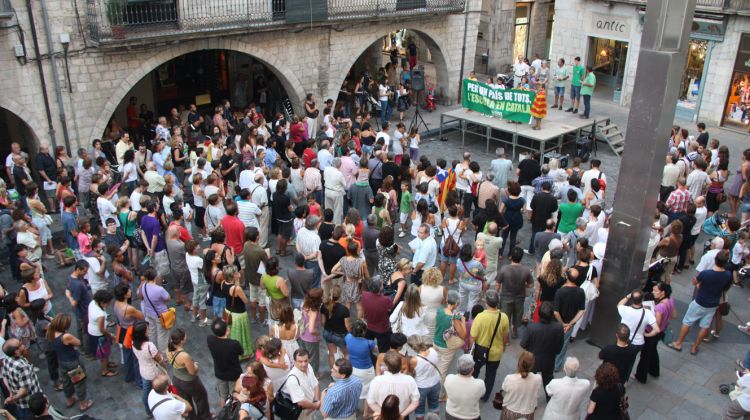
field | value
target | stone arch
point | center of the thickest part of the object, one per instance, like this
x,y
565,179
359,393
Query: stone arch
x,y
288,79
29,118
435,44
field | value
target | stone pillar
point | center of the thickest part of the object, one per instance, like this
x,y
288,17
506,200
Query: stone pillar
x,y
500,35
538,29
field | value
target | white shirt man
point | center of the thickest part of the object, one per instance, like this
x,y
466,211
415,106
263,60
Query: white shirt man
x,y
246,180
424,248
248,213
697,181
97,276
566,394
334,191
383,134
393,382
631,317
592,173
302,387
165,406
520,69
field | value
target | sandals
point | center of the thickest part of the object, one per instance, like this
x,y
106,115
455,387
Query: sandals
x,y
71,403
109,374
694,352
111,365
673,347
86,405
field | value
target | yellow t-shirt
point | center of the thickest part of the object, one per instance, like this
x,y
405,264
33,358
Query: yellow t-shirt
x,y
482,329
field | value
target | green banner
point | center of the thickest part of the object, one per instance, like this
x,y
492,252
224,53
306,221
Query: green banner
x,y
508,104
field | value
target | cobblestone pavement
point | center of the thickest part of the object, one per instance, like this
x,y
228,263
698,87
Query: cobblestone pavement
x,y
686,389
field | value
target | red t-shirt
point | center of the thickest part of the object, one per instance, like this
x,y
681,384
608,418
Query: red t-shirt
x,y
375,308
184,234
235,231
307,156
297,132
132,117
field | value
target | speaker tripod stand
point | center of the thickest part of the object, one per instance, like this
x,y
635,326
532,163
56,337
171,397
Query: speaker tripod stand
x,y
417,120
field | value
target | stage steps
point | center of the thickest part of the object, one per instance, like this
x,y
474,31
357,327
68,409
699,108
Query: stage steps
x,y
610,134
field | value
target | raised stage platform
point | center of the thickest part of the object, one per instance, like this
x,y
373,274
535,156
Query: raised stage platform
x,y
555,127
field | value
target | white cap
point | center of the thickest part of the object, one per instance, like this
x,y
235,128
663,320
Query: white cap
x,y
599,250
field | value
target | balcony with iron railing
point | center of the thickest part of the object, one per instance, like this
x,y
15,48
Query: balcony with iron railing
x,y
123,21
724,6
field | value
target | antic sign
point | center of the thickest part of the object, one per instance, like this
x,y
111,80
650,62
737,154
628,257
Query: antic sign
x,y
610,26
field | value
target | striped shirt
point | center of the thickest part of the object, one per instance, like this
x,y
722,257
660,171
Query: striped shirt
x,y
342,398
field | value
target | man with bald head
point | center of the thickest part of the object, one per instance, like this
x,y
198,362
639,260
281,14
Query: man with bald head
x,y
19,376
180,273
46,169
155,180
164,405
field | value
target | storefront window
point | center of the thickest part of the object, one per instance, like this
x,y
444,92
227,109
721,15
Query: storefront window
x,y
550,23
691,80
521,35
608,57
738,98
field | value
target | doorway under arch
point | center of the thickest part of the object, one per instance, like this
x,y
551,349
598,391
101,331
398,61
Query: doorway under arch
x,y
13,129
204,77
375,56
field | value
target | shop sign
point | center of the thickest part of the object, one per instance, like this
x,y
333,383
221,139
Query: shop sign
x,y
610,26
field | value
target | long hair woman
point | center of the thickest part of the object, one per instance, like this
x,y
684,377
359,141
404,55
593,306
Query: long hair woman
x,y
185,375
149,360
127,315
310,337
236,310
336,324
66,347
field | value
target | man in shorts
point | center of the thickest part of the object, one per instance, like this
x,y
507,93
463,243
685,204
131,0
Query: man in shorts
x,y
254,257
711,286
561,74
575,86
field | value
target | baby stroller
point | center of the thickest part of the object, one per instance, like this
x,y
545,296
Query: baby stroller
x,y
429,100
655,271
714,226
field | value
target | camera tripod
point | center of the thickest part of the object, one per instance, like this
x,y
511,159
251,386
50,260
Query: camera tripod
x,y
417,120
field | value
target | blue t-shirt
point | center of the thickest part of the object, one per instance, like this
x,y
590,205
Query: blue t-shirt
x,y
151,226
81,293
359,351
711,286
70,224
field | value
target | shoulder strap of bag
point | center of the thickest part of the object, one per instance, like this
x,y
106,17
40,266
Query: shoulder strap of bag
x,y
643,314
159,403
590,272
494,333
430,362
284,383
470,273
145,293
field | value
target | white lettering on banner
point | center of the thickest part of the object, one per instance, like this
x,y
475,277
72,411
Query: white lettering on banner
x,y
610,25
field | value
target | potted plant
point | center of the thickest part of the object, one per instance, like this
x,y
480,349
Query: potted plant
x,y
116,17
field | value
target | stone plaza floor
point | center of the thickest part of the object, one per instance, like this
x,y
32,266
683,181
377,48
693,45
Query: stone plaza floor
x,y
688,387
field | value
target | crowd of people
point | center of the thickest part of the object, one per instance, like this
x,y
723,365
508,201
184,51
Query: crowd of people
x,y
205,221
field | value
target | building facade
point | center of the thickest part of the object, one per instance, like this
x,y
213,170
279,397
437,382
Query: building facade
x,y
95,54
509,28
716,82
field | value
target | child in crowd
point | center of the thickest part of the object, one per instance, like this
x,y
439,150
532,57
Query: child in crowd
x,y
739,255
480,254
475,310
84,238
539,107
300,214
405,207
313,206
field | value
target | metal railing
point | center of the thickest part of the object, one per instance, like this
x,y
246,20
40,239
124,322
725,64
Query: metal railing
x,y
728,5
118,20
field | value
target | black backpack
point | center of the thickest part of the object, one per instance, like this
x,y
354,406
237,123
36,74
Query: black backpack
x,y
231,409
582,149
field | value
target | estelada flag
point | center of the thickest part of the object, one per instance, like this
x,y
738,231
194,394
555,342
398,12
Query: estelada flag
x,y
446,185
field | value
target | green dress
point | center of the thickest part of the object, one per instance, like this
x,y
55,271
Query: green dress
x,y
240,327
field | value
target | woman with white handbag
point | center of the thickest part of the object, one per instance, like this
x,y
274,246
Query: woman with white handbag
x,y
590,286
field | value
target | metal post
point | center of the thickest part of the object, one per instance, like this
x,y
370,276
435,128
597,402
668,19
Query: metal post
x,y
40,69
55,77
663,52
463,49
